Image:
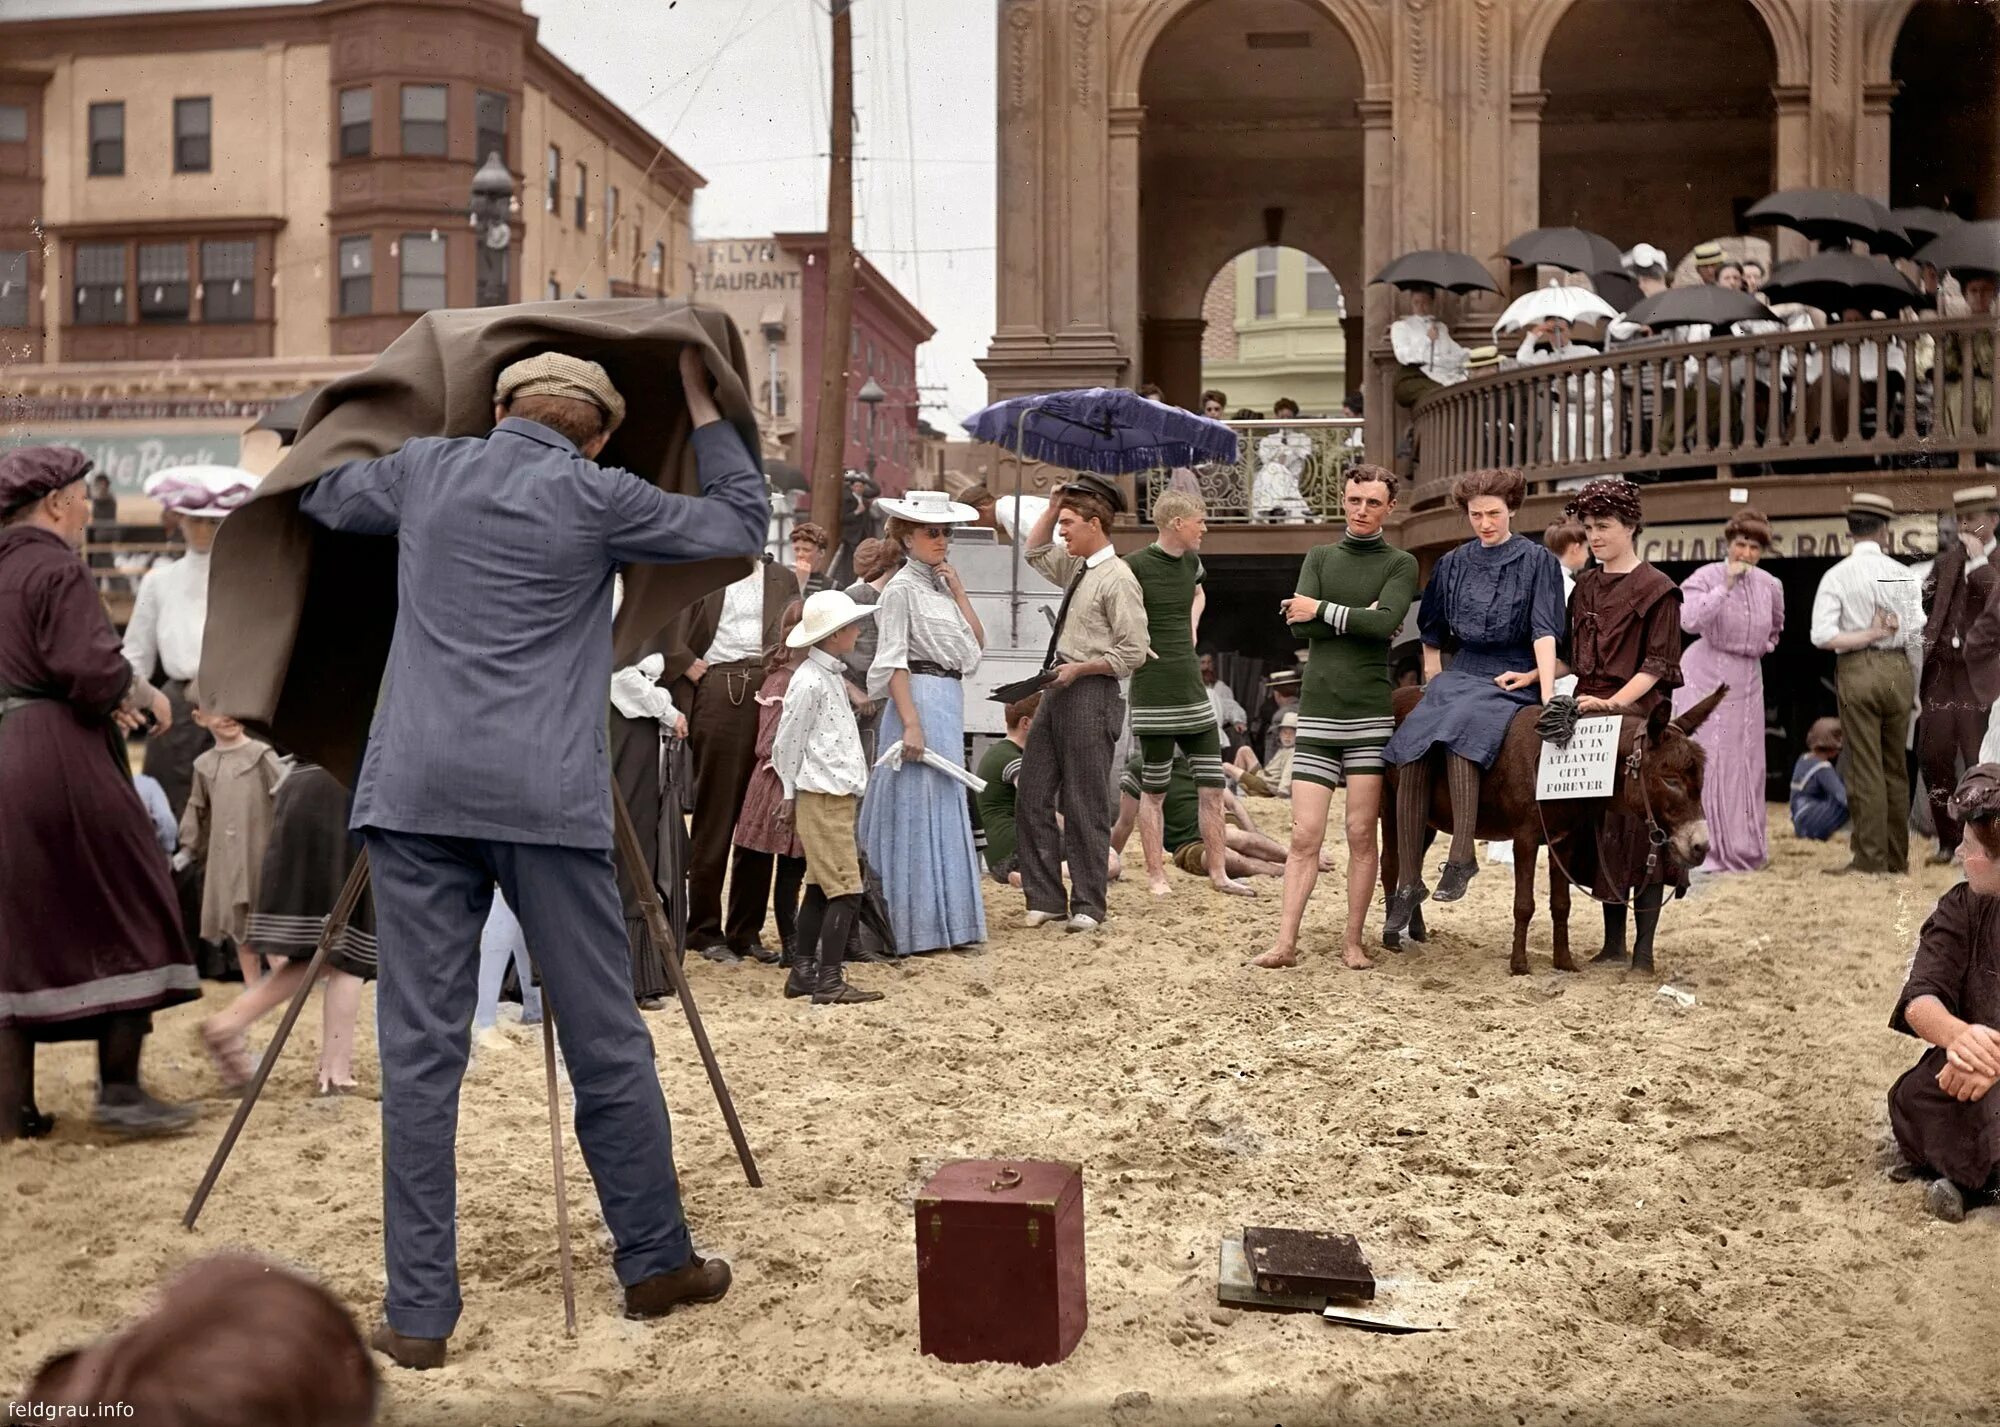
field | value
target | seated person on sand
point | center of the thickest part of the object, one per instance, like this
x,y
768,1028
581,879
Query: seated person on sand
x,y
1000,766
1819,797
1943,1110
1251,854
1272,779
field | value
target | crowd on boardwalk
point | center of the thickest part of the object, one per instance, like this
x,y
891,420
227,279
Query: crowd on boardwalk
x,y
826,732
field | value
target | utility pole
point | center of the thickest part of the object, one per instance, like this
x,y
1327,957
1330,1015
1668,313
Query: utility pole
x,y
830,431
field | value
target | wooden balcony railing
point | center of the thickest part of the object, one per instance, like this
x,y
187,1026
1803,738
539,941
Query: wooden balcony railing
x,y
1916,394
1285,473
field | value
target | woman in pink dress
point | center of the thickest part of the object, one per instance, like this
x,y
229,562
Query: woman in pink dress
x,y
1738,611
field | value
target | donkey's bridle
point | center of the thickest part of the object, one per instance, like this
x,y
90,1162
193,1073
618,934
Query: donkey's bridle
x,y
1656,835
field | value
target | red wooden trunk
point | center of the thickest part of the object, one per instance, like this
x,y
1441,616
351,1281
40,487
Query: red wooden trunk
x,y
1000,1262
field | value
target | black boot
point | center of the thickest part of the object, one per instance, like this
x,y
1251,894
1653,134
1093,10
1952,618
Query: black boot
x,y
20,1117
831,988
1453,881
1646,922
1614,935
787,950
805,943
1403,904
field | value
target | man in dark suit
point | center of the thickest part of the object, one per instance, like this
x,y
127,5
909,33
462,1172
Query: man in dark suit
x,y
487,762
1953,717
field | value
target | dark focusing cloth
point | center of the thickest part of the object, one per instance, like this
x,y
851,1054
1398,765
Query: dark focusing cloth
x,y
300,617
1958,961
89,922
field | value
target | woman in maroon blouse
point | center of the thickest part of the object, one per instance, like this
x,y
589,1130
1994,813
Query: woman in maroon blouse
x,y
1625,650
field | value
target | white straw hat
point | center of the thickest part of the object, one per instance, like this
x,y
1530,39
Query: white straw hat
x,y
827,612
927,508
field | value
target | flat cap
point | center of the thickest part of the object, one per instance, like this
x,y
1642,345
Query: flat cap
x,y
1868,503
1978,794
559,374
1976,498
1085,483
28,473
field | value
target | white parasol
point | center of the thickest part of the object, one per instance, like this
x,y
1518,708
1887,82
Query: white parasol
x,y
1571,304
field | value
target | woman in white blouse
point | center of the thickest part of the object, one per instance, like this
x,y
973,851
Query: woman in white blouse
x,y
916,829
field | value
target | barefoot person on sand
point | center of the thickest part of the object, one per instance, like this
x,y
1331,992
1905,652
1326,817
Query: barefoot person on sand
x,y
487,762
1352,597
1170,709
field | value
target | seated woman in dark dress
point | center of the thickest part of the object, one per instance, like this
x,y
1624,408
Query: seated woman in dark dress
x,y
1625,650
1496,602
1944,1111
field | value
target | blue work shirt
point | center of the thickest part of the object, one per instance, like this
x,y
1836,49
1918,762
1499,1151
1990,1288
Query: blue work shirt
x,y
492,717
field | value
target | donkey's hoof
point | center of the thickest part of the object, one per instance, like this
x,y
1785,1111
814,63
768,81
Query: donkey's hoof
x,y
1610,956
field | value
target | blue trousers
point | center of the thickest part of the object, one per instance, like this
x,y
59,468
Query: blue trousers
x,y
432,895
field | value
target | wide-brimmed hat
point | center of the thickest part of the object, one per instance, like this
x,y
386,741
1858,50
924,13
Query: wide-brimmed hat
x,y
827,612
1644,256
1085,483
1868,503
560,374
1288,719
1976,500
201,492
927,508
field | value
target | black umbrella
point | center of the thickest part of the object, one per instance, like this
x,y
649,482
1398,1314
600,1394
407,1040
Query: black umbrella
x,y
1839,279
1924,224
784,476
1576,249
1969,248
286,417
1438,267
1617,288
1705,303
1832,218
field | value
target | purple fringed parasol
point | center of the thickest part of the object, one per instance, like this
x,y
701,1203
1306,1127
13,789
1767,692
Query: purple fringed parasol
x,y
1108,430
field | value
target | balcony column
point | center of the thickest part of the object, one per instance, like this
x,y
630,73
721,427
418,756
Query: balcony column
x,y
1792,165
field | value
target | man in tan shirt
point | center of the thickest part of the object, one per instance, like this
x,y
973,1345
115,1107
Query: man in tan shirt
x,y
1100,638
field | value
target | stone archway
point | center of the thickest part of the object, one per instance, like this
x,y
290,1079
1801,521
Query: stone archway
x,y
1631,146
1251,136
1944,121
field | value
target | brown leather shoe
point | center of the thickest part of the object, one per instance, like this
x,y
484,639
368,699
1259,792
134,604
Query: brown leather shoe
x,y
414,1353
699,1280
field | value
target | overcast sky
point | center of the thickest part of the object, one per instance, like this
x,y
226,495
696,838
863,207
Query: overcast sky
x,y
738,88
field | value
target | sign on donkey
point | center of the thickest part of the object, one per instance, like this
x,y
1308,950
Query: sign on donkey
x,y
1585,767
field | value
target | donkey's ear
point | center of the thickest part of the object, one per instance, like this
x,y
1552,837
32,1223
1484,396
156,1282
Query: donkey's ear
x,y
1695,717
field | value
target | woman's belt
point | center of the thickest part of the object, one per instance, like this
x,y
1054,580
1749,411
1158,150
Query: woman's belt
x,y
936,671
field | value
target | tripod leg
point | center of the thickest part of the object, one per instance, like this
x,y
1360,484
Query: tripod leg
x,y
556,1155
656,920
336,923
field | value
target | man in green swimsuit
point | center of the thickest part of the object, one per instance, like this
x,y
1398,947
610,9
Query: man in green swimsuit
x,y
1251,853
1170,708
1351,601
1001,768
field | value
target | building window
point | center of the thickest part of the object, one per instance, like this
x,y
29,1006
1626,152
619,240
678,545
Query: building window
x,y
774,396
229,281
100,284
357,123
582,196
659,257
13,289
554,198
13,123
423,272
191,126
357,275
424,119
490,126
1322,292
1267,282
611,216
107,140
163,282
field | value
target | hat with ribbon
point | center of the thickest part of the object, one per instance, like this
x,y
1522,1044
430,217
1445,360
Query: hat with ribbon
x,y
827,612
27,473
926,508
1976,500
1479,359
1284,680
201,492
1708,255
1868,503
560,374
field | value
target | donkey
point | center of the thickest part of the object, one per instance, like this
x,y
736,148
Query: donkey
x,y
1666,792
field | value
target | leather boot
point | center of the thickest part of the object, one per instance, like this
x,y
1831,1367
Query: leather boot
x,y
805,943
831,988
1645,922
699,1280
1614,936
416,1353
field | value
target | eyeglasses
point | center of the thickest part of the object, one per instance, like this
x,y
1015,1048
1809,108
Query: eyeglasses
x,y
935,532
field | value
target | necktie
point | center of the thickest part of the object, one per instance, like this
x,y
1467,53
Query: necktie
x,y
1062,614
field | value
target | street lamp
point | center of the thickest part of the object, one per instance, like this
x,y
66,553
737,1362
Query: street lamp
x,y
492,219
871,396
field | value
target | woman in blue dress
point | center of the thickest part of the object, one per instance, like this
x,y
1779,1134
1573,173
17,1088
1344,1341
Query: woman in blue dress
x,y
1496,603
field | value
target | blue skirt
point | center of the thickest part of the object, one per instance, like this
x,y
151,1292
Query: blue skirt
x,y
917,831
1464,710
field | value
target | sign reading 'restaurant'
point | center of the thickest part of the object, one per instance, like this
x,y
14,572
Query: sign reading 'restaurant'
x,y
1587,767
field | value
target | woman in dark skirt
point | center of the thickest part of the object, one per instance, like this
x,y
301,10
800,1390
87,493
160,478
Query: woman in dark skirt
x,y
1625,650
769,868
306,864
1496,603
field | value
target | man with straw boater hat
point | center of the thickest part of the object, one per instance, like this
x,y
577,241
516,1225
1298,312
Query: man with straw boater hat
x,y
1953,718
486,763
1868,612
